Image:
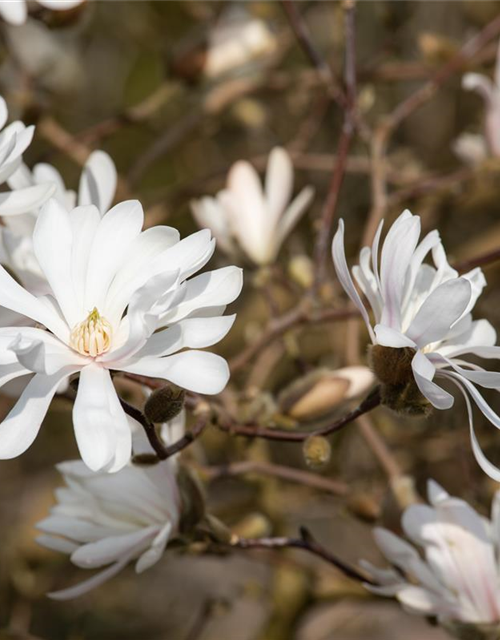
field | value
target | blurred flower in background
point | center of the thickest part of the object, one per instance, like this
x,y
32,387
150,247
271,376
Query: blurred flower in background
x,y
245,216
16,11
458,578
105,519
473,148
423,323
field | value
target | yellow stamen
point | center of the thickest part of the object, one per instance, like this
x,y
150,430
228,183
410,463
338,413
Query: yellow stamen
x,y
92,336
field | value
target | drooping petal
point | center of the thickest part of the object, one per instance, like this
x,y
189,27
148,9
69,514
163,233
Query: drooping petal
x,y
98,418
19,429
344,276
424,372
91,583
21,201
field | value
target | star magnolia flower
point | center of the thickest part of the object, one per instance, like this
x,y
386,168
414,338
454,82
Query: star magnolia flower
x,y
121,301
105,519
258,220
423,325
16,11
474,148
97,187
458,577
14,140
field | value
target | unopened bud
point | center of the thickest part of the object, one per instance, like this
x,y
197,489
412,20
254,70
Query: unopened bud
x,y
164,404
301,270
317,452
253,525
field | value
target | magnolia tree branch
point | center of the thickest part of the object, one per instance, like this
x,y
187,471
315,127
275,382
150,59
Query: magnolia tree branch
x,y
255,431
161,450
306,542
330,206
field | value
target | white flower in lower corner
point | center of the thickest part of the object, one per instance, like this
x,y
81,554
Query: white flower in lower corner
x,y
109,520
254,219
458,577
97,186
423,330
16,11
123,300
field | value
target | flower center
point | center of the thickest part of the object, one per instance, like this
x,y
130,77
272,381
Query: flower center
x,y
92,336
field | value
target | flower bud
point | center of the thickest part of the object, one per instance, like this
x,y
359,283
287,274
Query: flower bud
x,y
464,631
164,404
317,393
301,270
253,525
317,452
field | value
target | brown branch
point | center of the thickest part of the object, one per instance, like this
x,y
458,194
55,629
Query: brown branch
x,y
306,542
255,431
330,206
478,261
162,451
303,36
277,471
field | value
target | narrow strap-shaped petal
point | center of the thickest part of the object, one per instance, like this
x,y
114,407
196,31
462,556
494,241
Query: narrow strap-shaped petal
x,y
98,181
423,372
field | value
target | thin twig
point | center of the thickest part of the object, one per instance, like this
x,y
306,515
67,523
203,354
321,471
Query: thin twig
x,y
256,431
478,261
330,206
306,542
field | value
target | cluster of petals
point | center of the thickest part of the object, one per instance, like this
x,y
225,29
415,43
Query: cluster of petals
x,y
97,186
457,578
108,520
473,148
121,299
16,11
428,309
252,218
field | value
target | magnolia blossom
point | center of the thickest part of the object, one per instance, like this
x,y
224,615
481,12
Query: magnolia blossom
x,y
237,39
14,140
256,219
121,301
473,147
97,186
105,519
458,577
16,11
423,329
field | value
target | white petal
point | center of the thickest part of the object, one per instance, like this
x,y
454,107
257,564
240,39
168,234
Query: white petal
x,y
60,5
388,337
99,418
292,215
98,181
339,260
198,371
91,583
84,223
21,201
481,84
424,371
279,183
52,243
440,311
21,426
14,11
57,544
96,554
154,553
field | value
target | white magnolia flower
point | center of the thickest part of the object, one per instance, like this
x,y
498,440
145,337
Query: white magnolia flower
x,y
423,329
121,301
97,186
16,11
257,219
103,519
14,140
458,577
237,39
474,148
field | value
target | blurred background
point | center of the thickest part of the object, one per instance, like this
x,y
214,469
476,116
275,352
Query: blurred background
x,y
156,85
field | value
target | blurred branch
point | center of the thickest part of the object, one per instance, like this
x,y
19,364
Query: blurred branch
x,y
276,471
330,206
306,542
478,261
303,36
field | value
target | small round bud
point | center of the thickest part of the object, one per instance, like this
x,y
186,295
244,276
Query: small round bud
x,y
164,404
317,452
